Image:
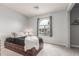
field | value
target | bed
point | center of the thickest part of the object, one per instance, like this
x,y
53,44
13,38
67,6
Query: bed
x,y
20,45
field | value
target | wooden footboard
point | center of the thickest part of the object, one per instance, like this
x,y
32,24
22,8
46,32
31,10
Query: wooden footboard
x,y
20,49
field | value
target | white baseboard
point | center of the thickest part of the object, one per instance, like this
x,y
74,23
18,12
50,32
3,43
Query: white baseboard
x,y
56,44
77,46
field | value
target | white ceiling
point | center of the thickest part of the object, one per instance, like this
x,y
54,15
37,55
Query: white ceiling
x,y
29,10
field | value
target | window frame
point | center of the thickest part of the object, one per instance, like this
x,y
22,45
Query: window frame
x,y
50,25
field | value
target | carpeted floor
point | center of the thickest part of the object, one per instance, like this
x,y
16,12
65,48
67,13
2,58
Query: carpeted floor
x,y
48,50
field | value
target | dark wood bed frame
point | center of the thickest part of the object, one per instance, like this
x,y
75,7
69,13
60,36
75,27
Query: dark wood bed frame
x,y
20,49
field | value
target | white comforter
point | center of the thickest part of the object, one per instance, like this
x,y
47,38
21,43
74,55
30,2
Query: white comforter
x,y
30,42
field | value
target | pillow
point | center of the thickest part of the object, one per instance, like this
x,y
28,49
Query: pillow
x,y
20,34
28,33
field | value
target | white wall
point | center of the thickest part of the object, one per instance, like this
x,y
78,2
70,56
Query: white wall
x,y
60,28
11,21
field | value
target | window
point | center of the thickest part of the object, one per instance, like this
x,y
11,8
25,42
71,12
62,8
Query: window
x,y
44,26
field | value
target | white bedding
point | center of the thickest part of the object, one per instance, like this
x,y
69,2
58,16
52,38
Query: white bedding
x,y
30,42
